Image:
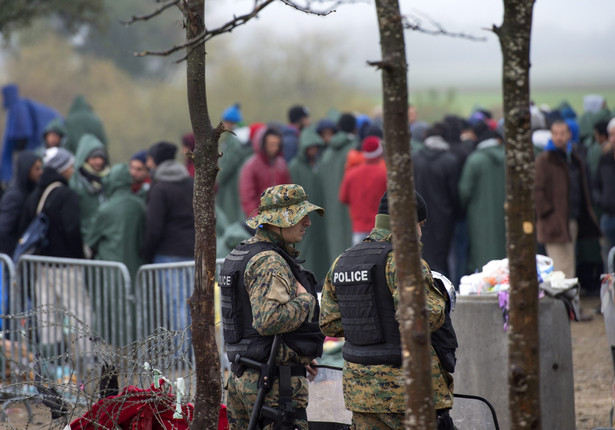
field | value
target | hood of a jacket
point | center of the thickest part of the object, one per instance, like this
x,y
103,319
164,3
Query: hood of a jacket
x,y
56,125
87,144
551,147
171,171
431,154
487,143
436,143
80,104
497,154
10,95
308,138
340,140
118,179
24,162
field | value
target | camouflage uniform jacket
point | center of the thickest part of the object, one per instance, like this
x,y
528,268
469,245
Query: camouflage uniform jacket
x,y
380,388
276,306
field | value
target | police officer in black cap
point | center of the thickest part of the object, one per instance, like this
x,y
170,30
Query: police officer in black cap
x,y
360,299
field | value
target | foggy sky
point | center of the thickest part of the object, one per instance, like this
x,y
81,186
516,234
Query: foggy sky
x,y
572,40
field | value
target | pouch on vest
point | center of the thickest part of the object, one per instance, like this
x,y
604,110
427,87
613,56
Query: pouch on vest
x,y
232,332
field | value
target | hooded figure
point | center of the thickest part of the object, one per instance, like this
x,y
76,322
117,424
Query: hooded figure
x,y
264,169
87,182
82,119
60,285
23,128
28,169
118,226
61,207
303,171
594,110
436,175
234,154
482,192
54,135
169,228
331,173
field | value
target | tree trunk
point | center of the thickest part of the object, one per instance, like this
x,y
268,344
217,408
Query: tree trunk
x,y
524,360
413,321
208,379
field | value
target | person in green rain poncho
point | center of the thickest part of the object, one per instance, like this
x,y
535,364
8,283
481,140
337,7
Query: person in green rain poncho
x,y
118,226
303,171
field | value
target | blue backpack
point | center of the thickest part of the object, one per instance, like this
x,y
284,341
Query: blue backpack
x,y
34,239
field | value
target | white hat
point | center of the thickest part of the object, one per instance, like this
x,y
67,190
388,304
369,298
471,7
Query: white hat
x,y
58,159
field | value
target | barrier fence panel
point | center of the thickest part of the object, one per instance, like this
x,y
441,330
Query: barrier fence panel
x,y
163,319
7,284
68,315
65,320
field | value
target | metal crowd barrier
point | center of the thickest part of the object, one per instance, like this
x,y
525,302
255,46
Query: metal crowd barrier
x,y
72,315
163,319
7,284
64,316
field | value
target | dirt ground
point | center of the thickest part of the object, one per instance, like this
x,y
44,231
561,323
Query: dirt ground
x,y
593,369
593,379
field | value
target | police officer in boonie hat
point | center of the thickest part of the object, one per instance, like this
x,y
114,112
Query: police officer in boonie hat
x,y
266,292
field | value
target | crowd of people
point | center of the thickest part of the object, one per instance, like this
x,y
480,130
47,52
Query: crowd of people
x,y
140,211
459,168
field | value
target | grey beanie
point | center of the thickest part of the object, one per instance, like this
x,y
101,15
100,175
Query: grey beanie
x,y
58,159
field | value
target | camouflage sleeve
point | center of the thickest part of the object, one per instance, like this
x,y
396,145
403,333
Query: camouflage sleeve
x,y
330,315
276,306
442,383
391,275
436,304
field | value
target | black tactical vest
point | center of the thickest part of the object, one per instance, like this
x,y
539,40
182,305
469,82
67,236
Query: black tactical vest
x,y
368,312
366,305
240,337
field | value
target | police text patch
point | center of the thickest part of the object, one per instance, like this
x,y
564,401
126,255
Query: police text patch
x,y
359,276
224,280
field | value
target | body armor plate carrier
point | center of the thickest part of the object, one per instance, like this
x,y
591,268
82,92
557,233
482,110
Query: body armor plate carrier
x,y
240,337
368,312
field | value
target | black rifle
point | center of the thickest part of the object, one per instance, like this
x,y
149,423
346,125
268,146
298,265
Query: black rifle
x,y
265,380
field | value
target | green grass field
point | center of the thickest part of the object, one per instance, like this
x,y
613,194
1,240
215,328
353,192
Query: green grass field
x,y
434,103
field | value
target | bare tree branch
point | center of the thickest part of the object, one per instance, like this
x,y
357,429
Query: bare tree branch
x,y
414,23
153,14
228,27
188,43
205,35
237,20
308,7
381,65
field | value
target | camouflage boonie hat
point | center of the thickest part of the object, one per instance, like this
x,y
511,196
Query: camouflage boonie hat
x,y
283,206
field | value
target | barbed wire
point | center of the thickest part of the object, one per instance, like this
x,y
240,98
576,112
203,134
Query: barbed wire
x,y
83,375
